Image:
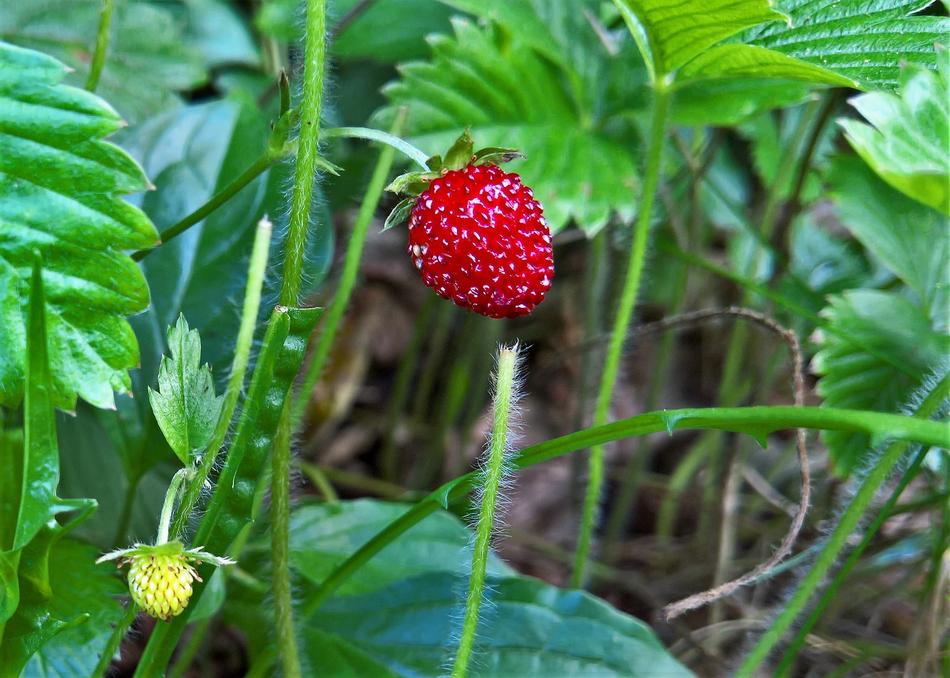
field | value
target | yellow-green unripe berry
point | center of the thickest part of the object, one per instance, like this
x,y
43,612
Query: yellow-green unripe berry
x,y
161,584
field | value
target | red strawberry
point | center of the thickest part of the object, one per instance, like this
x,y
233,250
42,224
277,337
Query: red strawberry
x,y
479,238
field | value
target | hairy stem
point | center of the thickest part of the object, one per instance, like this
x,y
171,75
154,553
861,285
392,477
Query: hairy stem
x,y
280,548
301,199
628,298
307,146
102,45
259,166
351,265
847,523
759,421
242,352
493,473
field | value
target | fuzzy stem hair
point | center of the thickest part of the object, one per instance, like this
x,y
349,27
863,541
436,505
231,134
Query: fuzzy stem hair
x,y
492,477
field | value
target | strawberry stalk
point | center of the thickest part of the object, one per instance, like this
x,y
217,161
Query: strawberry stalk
x,y
301,199
628,299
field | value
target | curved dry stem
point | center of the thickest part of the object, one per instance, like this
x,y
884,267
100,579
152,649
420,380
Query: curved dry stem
x,y
676,609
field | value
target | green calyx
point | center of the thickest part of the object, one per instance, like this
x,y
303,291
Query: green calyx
x,y
461,154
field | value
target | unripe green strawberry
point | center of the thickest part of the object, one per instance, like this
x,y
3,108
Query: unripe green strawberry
x,y
161,584
161,576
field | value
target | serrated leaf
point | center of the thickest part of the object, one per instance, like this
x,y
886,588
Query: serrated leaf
x,y
148,59
908,139
510,96
911,239
725,62
851,377
865,40
185,405
670,33
62,185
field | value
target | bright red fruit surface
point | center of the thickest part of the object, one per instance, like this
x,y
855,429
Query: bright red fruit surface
x,y
479,238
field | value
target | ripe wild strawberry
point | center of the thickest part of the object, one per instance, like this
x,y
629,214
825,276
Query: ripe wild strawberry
x,y
477,236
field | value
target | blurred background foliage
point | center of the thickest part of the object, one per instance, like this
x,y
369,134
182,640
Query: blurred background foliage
x,y
827,211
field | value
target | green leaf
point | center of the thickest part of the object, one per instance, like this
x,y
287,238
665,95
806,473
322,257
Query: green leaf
x,y
62,185
865,40
398,615
511,96
529,628
850,377
11,449
61,633
148,59
912,240
748,61
40,467
671,33
185,404
324,535
192,153
907,140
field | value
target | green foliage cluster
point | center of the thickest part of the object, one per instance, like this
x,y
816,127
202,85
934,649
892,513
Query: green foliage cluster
x,y
128,216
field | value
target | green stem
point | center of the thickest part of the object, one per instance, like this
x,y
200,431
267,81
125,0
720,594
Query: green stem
x,y
242,352
169,505
626,500
796,646
351,265
628,298
494,471
307,147
102,45
300,204
759,421
847,523
259,166
392,140
115,639
280,548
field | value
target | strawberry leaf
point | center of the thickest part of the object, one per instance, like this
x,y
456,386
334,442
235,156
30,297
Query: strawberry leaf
x,y
865,40
185,405
907,145
851,377
62,187
510,95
